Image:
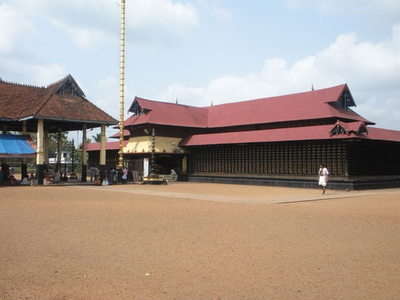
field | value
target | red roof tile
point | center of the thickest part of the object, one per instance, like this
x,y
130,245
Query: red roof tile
x,y
383,134
116,135
20,102
109,146
318,104
258,136
302,106
285,134
171,114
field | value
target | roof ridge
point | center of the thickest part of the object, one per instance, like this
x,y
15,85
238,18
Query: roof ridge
x,y
54,87
59,81
32,101
343,85
50,89
21,84
165,102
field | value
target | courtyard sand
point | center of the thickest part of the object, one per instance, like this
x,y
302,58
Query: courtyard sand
x,y
198,241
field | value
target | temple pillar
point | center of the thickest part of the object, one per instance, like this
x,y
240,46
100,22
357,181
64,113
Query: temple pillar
x,y
84,153
46,149
40,151
24,166
59,145
184,164
103,153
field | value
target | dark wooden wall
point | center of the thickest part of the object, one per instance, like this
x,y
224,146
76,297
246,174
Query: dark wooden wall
x,y
288,158
374,158
343,158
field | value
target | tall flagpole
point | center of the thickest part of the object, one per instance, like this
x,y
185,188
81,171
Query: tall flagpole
x,y
121,87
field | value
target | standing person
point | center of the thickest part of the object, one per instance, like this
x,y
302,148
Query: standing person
x,y
96,172
12,171
57,173
91,173
124,175
111,176
323,177
115,176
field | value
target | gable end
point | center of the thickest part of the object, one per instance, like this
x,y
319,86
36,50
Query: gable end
x,y
137,110
69,86
345,100
338,129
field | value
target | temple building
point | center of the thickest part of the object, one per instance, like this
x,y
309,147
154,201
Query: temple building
x,y
59,107
270,141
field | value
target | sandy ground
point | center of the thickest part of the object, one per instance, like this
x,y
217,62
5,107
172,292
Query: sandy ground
x,y
198,241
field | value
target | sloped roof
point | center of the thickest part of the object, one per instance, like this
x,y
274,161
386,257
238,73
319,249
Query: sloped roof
x,y
116,135
357,127
109,146
14,98
16,146
311,105
164,113
383,134
259,136
317,104
321,132
60,101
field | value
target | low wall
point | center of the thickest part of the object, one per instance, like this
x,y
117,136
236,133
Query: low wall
x,y
336,184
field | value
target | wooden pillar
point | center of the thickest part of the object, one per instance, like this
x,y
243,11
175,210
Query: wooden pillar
x,y
84,154
40,151
46,149
24,167
184,164
103,153
59,145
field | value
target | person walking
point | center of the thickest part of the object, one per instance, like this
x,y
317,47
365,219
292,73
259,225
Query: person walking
x,y
323,177
125,175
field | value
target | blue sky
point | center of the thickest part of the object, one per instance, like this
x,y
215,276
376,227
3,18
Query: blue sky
x,y
208,50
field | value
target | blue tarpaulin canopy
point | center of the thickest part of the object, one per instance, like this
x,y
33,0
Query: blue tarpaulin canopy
x,y
16,146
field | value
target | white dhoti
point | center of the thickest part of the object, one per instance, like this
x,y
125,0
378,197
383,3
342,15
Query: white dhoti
x,y
322,180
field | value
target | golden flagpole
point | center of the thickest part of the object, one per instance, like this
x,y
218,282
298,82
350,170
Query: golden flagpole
x,y
122,87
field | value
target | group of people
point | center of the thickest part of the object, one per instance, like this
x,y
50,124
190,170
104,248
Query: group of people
x,y
111,178
27,180
94,173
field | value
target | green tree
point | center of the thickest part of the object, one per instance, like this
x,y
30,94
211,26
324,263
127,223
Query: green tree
x,y
97,138
53,142
88,141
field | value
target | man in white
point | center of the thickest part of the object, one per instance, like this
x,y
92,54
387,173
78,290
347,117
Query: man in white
x,y
323,177
124,175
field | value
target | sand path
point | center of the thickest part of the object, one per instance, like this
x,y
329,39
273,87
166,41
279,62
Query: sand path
x,y
198,241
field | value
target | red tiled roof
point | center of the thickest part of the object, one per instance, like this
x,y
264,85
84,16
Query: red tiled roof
x,y
14,99
310,105
171,114
285,134
302,106
109,146
355,126
20,102
383,134
116,135
258,136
